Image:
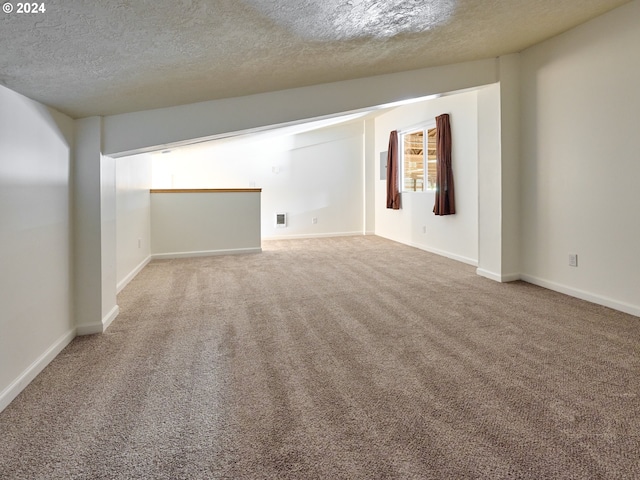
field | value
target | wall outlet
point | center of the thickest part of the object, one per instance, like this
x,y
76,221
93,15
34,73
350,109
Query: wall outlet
x,y
573,259
139,243
424,229
314,220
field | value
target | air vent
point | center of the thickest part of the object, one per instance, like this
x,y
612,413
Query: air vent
x,y
281,220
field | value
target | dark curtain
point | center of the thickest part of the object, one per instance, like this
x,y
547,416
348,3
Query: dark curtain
x,y
445,202
393,194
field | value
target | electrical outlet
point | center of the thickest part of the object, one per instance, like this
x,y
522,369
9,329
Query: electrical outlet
x,y
573,259
139,243
314,220
424,229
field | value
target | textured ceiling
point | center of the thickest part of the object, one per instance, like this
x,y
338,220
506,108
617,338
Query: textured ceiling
x,y
99,57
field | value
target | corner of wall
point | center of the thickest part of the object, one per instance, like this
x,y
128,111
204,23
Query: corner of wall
x,y
510,113
13,390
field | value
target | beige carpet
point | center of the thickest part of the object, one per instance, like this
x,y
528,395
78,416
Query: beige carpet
x,y
345,358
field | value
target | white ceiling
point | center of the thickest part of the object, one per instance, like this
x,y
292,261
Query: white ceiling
x,y
104,57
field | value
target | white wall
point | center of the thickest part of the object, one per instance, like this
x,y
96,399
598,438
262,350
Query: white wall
x,y
455,236
489,183
36,283
510,165
371,160
94,230
317,174
133,216
499,174
581,161
108,238
204,223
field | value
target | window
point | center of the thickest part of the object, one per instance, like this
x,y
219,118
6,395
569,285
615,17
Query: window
x,y
419,159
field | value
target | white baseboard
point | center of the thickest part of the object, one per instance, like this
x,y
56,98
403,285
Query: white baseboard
x,y
498,277
581,294
93,328
442,253
313,235
205,253
19,384
124,282
89,329
511,277
110,317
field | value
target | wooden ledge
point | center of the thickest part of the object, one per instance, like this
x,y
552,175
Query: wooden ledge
x,y
206,190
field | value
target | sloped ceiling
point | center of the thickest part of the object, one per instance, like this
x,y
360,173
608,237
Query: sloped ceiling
x,y
95,57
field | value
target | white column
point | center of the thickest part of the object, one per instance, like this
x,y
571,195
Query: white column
x,y
94,247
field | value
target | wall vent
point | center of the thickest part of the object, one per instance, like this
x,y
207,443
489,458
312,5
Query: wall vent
x,y
281,220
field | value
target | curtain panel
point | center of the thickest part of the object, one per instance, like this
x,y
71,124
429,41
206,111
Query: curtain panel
x,y
393,193
445,199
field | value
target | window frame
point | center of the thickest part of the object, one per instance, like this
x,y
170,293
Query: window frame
x,y
424,128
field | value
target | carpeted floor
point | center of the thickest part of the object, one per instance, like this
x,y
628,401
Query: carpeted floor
x,y
343,358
